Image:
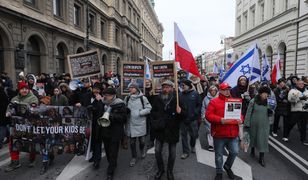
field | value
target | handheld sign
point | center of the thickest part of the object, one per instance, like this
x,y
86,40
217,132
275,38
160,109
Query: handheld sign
x,y
132,72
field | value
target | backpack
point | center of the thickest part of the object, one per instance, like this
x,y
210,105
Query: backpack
x,y
141,99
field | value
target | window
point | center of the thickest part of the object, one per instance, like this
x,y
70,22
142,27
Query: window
x,y
239,24
57,8
253,17
274,7
130,13
92,23
134,20
103,29
245,21
31,2
124,7
117,36
77,15
286,5
262,12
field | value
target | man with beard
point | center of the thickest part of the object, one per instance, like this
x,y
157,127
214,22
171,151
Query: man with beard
x,y
166,119
112,134
298,98
241,91
192,100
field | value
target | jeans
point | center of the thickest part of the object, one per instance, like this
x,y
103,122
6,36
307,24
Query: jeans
x,y
159,157
232,146
133,145
192,130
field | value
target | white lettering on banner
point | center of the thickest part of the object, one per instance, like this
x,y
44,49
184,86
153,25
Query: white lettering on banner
x,y
51,129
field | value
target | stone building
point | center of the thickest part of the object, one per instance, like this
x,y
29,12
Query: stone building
x,y
277,26
37,35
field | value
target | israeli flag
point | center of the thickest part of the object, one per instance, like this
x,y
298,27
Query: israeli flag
x,y
266,70
147,69
247,65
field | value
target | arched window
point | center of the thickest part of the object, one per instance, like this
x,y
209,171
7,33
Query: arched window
x,y
104,64
61,54
118,65
33,63
1,55
282,50
269,55
80,50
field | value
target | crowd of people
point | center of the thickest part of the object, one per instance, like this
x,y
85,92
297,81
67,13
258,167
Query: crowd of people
x,y
155,120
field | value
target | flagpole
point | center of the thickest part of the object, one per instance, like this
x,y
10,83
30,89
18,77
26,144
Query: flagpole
x,y
176,86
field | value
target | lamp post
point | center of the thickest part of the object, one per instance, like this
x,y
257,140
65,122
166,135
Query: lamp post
x,y
223,42
88,26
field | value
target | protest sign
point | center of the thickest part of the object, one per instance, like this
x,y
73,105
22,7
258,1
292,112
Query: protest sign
x,y
61,129
233,108
84,64
162,71
132,72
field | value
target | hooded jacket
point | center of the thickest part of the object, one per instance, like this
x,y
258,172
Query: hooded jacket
x,y
192,101
136,121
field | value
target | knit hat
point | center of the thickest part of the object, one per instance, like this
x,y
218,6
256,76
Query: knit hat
x,y
264,89
110,91
281,80
97,85
187,83
133,85
22,85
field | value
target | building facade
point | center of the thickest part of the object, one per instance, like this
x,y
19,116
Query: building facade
x,y
277,26
36,36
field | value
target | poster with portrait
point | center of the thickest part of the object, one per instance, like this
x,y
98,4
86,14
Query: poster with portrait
x,y
84,64
132,72
61,129
233,108
162,71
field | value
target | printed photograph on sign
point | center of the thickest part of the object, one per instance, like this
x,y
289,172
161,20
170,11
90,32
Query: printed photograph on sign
x,y
66,111
84,64
132,73
162,71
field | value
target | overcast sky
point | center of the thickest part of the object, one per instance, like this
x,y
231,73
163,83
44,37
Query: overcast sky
x,y
202,22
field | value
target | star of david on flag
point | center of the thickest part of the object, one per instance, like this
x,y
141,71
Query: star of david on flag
x,y
248,65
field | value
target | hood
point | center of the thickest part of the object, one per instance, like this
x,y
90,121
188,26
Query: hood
x,y
136,96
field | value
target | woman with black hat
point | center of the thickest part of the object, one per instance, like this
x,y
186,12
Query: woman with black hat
x,y
257,123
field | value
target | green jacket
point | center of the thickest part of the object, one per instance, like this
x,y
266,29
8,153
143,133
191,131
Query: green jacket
x,y
30,98
61,100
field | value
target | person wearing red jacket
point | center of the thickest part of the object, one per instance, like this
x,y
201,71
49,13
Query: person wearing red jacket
x,y
224,131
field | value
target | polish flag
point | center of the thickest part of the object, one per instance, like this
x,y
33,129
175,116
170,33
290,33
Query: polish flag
x,y
276,70
183,54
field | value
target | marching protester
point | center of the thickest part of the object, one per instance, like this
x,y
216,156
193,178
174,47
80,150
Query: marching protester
x,y
135,128
4,121
58,99
113,133
257,123
298,97
241,91
97,130
283,106
82,96
212,93
165,122
192,100
25,96
149,93
224,131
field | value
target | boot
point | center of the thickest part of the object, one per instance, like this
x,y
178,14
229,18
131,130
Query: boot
x,y
261,159
218,176
170,175
252,152
229,172
159,174
44,168
96,164
12,166
143,153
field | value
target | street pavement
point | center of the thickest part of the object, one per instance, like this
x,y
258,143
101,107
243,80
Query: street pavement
x,y
285,161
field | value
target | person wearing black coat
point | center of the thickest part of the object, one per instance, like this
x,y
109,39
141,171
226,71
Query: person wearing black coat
x,y
240,91
4,121
283,106
165,124
112,134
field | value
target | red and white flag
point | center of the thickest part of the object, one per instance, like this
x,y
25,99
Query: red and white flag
x,y
276,70
183,54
